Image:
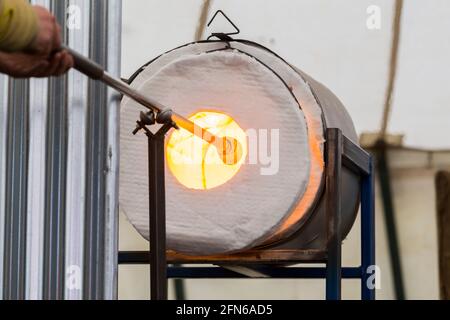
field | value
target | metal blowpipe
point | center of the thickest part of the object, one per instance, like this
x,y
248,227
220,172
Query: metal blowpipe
x,y
228,148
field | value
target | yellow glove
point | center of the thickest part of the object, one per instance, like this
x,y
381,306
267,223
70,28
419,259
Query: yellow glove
x,y
18,25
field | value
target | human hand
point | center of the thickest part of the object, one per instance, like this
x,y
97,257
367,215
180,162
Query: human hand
x,y
42,58
48,36
22,65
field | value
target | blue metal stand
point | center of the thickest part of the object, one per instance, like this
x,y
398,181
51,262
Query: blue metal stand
x,y
367,232
340,152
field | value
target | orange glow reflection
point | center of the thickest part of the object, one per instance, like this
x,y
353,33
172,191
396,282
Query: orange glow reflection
x,y
196,163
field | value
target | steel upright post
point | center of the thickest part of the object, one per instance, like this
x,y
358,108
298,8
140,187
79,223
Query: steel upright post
x,y
333,203
367,233
157,213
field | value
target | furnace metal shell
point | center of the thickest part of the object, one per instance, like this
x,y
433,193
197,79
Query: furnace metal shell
x,y
325,110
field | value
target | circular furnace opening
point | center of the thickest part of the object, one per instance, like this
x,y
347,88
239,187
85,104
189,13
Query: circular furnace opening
x,y
195,163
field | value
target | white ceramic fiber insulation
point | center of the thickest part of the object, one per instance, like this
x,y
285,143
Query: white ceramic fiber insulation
x,y
302,92
250,207
313,115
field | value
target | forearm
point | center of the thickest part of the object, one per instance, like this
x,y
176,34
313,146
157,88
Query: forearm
x,y
18,25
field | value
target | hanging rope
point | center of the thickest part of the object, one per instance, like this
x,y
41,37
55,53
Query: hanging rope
x,y
202,20
392,66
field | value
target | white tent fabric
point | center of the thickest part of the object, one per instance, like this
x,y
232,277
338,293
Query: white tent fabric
x,y
331,41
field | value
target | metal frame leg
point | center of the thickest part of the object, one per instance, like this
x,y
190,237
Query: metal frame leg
x,y
334,150
367,233
157,215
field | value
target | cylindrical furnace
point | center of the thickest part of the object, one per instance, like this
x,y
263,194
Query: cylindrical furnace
x,y
279,115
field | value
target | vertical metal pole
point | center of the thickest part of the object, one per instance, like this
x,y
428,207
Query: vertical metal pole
x,y
157,216
334,147
77,105
36,182
16,192
96,161
36,188
54,222
367,233
3,148
114,27
389,219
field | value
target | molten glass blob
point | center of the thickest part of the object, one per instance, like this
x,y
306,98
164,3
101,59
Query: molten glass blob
x,y
195,163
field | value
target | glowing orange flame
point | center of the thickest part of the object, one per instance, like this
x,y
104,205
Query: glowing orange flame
x,y
196,163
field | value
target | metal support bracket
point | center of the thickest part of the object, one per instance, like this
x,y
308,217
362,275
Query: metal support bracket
x,y
157,199
340,152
